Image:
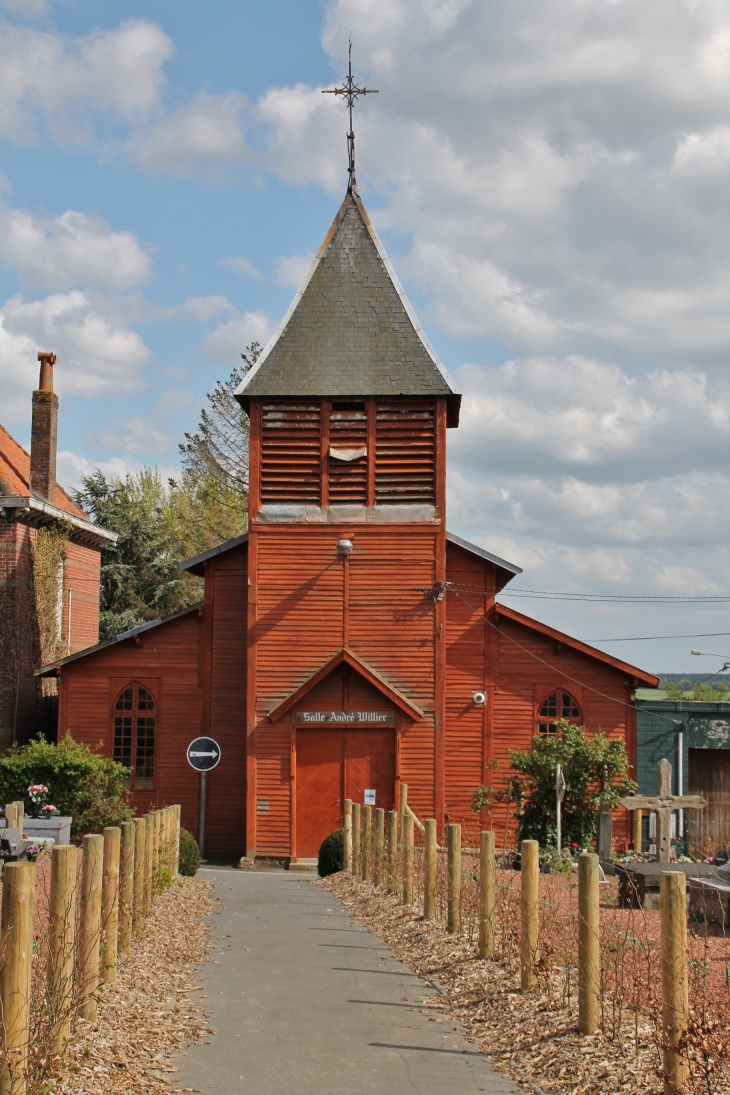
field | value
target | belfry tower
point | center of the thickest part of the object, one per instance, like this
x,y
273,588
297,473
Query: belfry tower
x,y
349,407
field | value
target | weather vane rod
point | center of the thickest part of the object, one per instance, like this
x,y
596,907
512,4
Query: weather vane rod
x,y
351,92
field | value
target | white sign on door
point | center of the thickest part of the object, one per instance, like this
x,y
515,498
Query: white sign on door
x,y
369,799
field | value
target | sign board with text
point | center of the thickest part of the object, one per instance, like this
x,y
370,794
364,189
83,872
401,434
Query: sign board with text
x,y
345,718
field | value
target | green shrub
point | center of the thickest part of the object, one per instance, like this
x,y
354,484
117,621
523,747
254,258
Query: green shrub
x,y
331,853
189,854
82,784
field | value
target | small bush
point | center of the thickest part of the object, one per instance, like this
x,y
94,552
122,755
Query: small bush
x,y
189,854
331,853
82,784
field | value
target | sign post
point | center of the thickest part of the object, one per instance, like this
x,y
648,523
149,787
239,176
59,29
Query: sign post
x,y
559,796
203,755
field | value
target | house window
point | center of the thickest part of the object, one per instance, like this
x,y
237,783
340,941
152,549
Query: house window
x,y
134,726
558,705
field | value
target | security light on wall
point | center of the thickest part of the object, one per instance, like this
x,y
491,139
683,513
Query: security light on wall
x,y
479,698
344,547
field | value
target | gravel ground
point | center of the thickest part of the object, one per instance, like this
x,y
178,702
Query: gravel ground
x,y
153,1009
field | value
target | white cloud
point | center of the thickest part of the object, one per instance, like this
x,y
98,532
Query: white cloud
x,y
203,137
580,417
193,310
243,266
61,83
72,467
18,374
292,271
96,353
70,250
229,340
139,434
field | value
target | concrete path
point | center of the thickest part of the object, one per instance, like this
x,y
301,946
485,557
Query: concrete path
x,y
304,1001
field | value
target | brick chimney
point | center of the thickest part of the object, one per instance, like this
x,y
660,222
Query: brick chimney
x,y
44,431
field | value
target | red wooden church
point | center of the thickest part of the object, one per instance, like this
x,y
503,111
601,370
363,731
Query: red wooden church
x,y
347,641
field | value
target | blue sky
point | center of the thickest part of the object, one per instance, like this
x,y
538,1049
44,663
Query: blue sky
x,y
550,180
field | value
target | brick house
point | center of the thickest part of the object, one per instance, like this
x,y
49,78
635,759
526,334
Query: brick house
x,y
50,561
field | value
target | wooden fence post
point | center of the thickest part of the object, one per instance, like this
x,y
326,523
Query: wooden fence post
x,y
589,959
429,869
402,804
156,852
61,917
487,871
392,881
356,838
672,890
149,861
453,915
90,934
176,842
140,841
407,842
126,887
638,815
17,940
530,881
347,826
367,836
110,902
379,846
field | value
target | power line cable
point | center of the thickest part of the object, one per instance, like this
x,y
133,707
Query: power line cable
x,y
641,638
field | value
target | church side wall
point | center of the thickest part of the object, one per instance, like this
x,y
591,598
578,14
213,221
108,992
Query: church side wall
x,y
467,670
225,707
166,662
524,682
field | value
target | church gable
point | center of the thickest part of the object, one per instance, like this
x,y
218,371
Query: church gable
x,y
350,330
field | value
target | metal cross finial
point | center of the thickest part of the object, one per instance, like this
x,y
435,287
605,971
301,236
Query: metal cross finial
x,y
351,92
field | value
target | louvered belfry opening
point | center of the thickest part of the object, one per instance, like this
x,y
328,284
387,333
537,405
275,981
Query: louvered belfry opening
x,y
347,466
347,451
405,451
291,451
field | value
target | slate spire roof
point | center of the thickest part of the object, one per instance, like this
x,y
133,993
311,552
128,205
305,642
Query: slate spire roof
x,y
350,330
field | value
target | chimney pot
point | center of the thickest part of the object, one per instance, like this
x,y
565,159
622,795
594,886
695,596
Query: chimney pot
x,y
44,432
47,360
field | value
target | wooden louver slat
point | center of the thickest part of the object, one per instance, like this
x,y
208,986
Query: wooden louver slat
x,y
290,452
348,480
405,463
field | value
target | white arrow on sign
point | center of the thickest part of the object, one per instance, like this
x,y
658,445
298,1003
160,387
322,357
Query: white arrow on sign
x,y
212,754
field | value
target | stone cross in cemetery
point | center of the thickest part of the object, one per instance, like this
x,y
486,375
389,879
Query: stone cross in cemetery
x,y
663,805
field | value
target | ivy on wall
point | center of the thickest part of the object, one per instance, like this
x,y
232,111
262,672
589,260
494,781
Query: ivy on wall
x,y
47,558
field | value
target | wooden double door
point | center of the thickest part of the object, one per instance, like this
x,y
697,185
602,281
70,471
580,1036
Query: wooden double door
x,y
332,765
709,776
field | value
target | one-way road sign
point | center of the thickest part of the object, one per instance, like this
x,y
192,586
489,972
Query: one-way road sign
x,y
203,754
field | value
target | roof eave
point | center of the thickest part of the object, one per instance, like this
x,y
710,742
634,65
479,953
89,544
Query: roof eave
x,y
196,564
36,510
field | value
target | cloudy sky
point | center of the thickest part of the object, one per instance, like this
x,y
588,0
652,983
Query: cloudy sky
x,y
551,179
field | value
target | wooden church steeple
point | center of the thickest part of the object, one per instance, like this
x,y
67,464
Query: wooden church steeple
x,y
348,399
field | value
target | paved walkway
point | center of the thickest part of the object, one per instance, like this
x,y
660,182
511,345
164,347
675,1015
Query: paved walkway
x,y
304,1000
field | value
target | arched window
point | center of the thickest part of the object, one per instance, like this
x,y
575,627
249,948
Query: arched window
x,y
134,725
558,705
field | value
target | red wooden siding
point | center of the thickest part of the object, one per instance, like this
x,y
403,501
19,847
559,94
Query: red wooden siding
x,y
304,619
226,798
466,671
165,662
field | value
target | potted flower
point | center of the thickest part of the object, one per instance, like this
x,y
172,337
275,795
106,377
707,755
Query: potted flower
x,y
47,810
32,851
38,794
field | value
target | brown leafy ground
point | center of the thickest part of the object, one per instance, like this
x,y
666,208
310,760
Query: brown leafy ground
x,y
154,1008
533,1038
